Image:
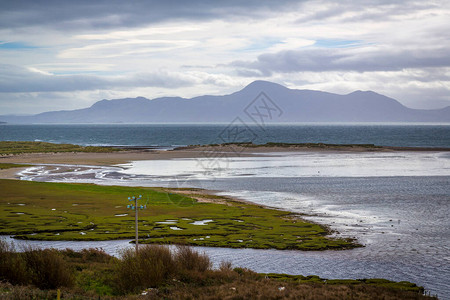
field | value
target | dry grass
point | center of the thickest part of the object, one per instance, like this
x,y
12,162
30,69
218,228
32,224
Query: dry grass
x,y
244,288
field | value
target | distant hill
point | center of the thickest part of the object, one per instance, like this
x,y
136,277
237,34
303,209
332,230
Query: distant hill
x,y
261,100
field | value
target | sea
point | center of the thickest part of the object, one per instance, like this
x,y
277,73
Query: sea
x,y
174,135
397,204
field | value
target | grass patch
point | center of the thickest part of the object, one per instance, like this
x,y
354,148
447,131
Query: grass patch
x,y
4,166
61,211
19,147
291,145
159,273
402,285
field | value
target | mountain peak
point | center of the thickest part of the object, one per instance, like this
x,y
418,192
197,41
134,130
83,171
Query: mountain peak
x,y
360,92
262,84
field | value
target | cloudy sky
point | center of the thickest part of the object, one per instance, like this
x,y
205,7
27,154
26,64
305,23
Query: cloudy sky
x,y
69,54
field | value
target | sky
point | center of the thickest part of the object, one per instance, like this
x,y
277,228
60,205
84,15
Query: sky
x,y
57,55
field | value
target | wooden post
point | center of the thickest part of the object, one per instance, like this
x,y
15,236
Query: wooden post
x,y
136,221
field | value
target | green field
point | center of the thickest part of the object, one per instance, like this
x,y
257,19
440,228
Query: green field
x,y
59,211
14,147
289,145
4,166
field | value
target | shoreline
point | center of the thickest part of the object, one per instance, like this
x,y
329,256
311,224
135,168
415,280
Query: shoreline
x,y
195,151
307,147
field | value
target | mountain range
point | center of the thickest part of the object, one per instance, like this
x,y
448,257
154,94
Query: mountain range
x,y
260,101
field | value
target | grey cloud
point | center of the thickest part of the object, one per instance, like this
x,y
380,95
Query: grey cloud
x,y
370,10
87,14
15,79
346,59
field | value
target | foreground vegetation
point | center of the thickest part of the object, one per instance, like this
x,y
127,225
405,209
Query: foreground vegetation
x,y
15,147
156,272
62,211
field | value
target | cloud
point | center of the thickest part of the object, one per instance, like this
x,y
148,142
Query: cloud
x,y
14,79
414,88
360,59
87,14
124,48
361,11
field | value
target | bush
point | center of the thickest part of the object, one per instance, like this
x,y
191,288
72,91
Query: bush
x,y
188,259
47,269
226,272
150,267
44,268
95,255
12,267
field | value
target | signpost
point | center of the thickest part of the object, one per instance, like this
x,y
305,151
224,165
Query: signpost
x,y
136,207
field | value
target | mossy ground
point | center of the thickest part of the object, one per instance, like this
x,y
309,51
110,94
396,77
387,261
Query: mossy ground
x,y
291,145
4,166
61,211
19,147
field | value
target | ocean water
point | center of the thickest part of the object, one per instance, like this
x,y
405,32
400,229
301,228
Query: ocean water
x,y
172,135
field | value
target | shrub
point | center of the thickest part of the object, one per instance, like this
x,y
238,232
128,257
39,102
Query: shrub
x,y
12,267
226,266
188,259
150,267
46,268
226,272
95,255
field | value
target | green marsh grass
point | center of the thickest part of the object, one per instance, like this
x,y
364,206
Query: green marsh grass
x,y
62,211
4,166
20,147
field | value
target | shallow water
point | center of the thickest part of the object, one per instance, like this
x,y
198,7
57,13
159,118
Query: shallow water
x,y
397,204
